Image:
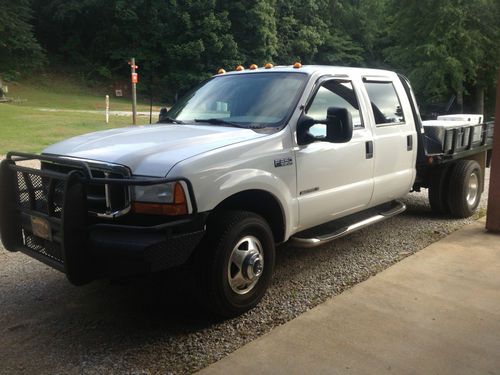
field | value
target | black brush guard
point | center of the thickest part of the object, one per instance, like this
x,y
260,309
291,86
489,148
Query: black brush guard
x,y
44,214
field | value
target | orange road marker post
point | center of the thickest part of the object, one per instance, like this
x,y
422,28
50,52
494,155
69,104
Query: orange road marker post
x,y
134,79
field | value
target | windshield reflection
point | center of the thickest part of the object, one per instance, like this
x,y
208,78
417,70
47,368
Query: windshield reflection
x,y
248,100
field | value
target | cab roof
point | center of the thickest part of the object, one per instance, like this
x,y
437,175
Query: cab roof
x,y
313,69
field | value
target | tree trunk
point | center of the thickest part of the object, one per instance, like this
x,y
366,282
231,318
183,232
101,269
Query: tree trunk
x,y
479,100
460,98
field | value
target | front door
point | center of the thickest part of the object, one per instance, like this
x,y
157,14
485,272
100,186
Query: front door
x,y
334,179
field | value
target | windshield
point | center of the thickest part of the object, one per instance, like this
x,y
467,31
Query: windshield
x,y
246,100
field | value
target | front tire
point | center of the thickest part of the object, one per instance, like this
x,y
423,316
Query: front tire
x,y
466,187
234,262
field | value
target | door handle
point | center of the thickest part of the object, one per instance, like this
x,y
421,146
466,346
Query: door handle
x,y
369,149
409,143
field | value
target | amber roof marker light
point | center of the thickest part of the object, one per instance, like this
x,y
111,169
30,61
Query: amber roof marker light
x,y
221,71
253,67
297,65
239,68
268,66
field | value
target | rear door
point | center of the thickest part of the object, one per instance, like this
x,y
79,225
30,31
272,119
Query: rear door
x,y
394,138
334,179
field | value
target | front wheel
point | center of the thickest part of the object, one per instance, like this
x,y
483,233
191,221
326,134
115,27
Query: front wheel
x,y
235,262
465,189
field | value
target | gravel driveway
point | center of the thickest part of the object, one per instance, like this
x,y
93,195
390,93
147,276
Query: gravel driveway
x,y
149,326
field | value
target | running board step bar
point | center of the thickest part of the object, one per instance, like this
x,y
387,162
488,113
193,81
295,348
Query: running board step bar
x,y
398,208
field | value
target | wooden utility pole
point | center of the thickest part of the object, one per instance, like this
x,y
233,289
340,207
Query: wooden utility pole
x,y
133,76
493,216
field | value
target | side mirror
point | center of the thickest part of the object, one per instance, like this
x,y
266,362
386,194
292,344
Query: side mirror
x,y
163,113
338,123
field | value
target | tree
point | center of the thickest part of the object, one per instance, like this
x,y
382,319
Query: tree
x,y
180,42
343,41
313,31
443,45
196,42
253,26
484,16
301,29
19,50
365,22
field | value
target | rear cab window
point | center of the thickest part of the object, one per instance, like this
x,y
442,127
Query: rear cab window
x,y
385,103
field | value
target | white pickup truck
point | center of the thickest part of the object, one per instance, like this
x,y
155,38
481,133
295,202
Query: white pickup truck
x,y
246,160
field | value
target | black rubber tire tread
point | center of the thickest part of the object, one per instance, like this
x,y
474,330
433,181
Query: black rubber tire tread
x,y
457,197
439,181
223,231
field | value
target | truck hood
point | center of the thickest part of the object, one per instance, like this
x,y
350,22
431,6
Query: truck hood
x,y
150,150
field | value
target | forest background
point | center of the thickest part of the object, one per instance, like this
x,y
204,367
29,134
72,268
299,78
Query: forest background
x,y
449,49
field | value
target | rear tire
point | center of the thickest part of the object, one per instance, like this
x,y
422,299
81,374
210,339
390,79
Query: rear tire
x,y
234,263
466,187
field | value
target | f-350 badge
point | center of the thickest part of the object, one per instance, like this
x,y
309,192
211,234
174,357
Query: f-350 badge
x,y
283,162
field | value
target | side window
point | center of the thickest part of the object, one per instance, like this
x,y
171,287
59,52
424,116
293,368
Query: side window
x,y
385,103
335,93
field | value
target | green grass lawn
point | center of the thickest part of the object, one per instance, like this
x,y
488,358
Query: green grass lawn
x,y
24,126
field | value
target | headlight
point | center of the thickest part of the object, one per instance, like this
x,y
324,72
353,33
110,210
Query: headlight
x,y
163,199
163,193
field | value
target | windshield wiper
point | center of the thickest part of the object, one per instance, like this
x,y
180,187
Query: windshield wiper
x,y
169,120
219,121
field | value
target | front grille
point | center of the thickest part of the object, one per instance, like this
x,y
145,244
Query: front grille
x,y
46,248
34,193
41,196
40,199
117,198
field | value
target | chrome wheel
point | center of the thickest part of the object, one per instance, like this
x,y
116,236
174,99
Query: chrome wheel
x,y
246,264
472,189
234,264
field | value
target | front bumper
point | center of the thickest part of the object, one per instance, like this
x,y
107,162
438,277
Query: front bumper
x,y
44,214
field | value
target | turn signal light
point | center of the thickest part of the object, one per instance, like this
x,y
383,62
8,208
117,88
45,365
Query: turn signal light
x,y
268,66
239,68
297,65
221,71
179,196
159,209
253,67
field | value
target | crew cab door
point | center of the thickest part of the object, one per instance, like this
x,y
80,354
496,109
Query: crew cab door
x,y
394,138
334,179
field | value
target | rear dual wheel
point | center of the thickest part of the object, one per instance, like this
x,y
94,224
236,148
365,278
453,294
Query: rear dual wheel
x,y
456,189
466,187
